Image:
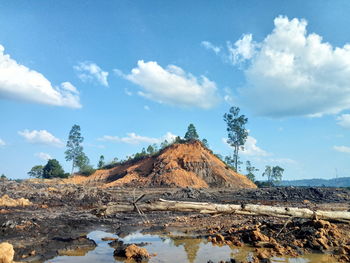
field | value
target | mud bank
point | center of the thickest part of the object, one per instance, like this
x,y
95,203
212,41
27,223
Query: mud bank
x,y
60,216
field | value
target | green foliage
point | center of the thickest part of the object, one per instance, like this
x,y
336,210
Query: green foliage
x,y
205,143
150,149
250,171
236,131
191,133
53,169
101,162
87,170
81,161
36,171
164,144
231,162
3,177
273,174
74,150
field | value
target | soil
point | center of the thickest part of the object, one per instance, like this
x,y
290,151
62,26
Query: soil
x,y
187,164
61,215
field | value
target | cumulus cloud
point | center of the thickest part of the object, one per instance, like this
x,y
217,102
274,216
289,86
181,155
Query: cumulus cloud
x,y
250,147
41,137
342,149
133,138
18,82
292,72
243,49
210,46
2,142
43,156
89,71
344,121
172,85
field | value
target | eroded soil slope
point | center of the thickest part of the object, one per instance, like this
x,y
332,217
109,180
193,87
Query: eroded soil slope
x,y
179,165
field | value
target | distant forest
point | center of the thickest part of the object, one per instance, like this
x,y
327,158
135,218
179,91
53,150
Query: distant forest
x,y
335,182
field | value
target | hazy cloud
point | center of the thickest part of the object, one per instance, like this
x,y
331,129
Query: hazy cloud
x,y
344,121
250,147
89,71
133,138
342,149
43,156
210,46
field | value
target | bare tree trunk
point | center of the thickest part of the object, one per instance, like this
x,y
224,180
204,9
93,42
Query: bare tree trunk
x,y
212,208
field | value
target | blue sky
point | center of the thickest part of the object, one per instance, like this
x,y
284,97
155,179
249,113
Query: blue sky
x,y
135,73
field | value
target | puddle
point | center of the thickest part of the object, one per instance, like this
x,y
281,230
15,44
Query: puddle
x,y
174,248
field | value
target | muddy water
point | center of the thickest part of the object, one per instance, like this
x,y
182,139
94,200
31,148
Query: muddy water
x,y
172,248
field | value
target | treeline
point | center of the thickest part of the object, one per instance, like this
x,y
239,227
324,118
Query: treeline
x,y
75,154
237,135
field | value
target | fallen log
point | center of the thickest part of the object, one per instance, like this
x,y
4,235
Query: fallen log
x,y
212,208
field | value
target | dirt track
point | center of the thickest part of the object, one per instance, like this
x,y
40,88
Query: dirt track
x,y
62,214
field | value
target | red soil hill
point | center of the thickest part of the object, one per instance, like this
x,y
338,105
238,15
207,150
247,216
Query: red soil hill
x,y
179,165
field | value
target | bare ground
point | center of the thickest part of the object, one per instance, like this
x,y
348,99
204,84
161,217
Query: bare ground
x,y
62,215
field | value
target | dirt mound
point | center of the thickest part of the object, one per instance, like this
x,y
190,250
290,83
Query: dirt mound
x,y
179,165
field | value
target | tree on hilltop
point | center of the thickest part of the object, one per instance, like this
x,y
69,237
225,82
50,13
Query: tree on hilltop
x,y
74,150
236,131
53,169
101,162
36,171
191,133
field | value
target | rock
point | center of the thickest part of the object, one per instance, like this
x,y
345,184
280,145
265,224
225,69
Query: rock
x,y
6,252
136,253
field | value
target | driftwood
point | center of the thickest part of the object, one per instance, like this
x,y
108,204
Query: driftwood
x,y
212,208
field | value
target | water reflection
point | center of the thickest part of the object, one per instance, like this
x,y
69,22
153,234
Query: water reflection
x,y
172,249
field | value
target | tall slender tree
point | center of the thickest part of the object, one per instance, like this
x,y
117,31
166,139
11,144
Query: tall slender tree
x,y
236,131
250,171
191,133
101,162
74,146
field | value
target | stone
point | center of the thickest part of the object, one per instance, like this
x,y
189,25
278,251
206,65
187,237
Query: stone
x,y
136,253
6,253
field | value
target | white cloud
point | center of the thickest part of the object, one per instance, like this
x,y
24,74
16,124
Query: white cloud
x,y
344,121
210,46
286,161
243,49
89,71
250,147
172,85
18,82
133,138
342,149
293,72
2,142
43,156
41,137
